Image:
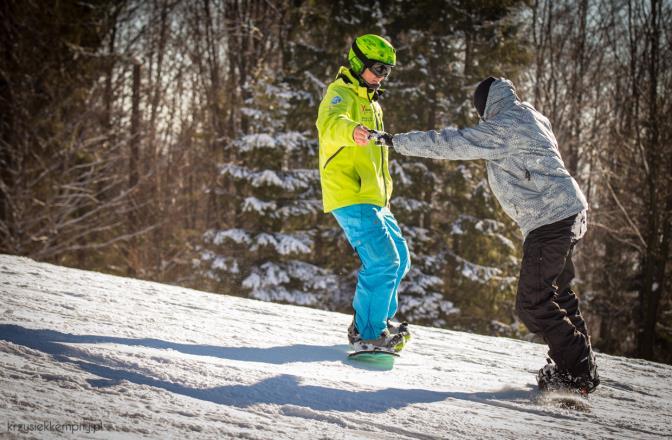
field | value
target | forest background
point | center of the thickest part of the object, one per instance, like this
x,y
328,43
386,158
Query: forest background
x,y
174,141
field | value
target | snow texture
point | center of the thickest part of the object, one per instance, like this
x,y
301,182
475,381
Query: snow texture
x,y
288,141
294,180
295,208
154,361
481,274
268,282
401,177
298,242
408,204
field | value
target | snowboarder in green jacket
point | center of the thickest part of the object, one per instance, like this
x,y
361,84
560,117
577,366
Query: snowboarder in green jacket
x,y
356,190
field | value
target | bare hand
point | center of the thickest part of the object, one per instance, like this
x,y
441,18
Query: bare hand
x,y
360,135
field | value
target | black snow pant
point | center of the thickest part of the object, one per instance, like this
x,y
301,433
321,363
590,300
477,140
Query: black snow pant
x,y
545,301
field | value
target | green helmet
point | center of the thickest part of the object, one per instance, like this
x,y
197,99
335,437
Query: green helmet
x,y
368,49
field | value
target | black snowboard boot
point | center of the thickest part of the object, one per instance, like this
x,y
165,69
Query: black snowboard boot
x,y
550,378
584,381
586,378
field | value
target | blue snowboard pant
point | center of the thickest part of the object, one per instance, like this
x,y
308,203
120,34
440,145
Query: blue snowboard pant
x,y
374,233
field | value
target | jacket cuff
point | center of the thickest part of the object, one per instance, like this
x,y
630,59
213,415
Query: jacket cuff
x,y
350,131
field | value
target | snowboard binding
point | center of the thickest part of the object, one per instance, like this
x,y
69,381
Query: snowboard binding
x,y
551,378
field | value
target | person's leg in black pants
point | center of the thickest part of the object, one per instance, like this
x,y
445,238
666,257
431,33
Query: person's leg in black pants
x,y
567,299
547,256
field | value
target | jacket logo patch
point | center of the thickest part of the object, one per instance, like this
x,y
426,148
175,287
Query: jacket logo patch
x,y
336,99
363,108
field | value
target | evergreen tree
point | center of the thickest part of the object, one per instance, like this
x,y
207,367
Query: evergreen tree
x,y
271,251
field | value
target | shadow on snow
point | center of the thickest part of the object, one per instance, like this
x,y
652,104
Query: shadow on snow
x,y
283,389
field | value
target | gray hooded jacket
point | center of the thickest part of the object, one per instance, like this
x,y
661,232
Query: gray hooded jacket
x,y
525,170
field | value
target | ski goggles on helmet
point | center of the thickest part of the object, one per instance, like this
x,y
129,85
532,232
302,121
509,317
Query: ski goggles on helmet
x,y
380,70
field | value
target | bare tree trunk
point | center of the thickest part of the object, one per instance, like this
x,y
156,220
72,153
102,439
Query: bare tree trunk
x,y
155,195
655,258
577,91
7,131
216,113
133,173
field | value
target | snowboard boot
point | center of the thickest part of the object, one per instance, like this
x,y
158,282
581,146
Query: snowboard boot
x,y
399,328
585,377
386,342
552,378
353,333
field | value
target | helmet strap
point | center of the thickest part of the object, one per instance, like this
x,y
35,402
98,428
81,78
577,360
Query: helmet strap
x,y
362,82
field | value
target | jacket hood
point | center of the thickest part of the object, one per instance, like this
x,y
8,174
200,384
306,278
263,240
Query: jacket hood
x,y
502,94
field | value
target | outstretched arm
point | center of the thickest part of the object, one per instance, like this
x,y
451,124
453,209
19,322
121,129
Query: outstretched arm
x,y
480,142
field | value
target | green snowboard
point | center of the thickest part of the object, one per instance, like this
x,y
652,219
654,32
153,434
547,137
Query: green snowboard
x,y
373,356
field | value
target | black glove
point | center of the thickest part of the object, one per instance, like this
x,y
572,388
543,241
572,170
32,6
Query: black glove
x,y
386,138
381,137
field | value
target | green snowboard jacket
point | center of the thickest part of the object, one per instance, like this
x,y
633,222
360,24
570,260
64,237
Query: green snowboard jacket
x,y
351,174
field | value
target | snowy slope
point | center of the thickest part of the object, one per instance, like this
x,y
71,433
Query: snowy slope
x,y
156,361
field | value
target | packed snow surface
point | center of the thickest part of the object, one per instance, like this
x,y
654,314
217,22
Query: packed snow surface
x,y
135,359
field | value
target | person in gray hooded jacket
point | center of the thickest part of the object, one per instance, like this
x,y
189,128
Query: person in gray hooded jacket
x,y
529,178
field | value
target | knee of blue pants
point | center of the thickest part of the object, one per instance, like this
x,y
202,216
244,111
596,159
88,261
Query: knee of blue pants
x,y
379,253
399,242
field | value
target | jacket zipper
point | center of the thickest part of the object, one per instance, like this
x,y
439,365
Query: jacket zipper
x,y
331,157
382,155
